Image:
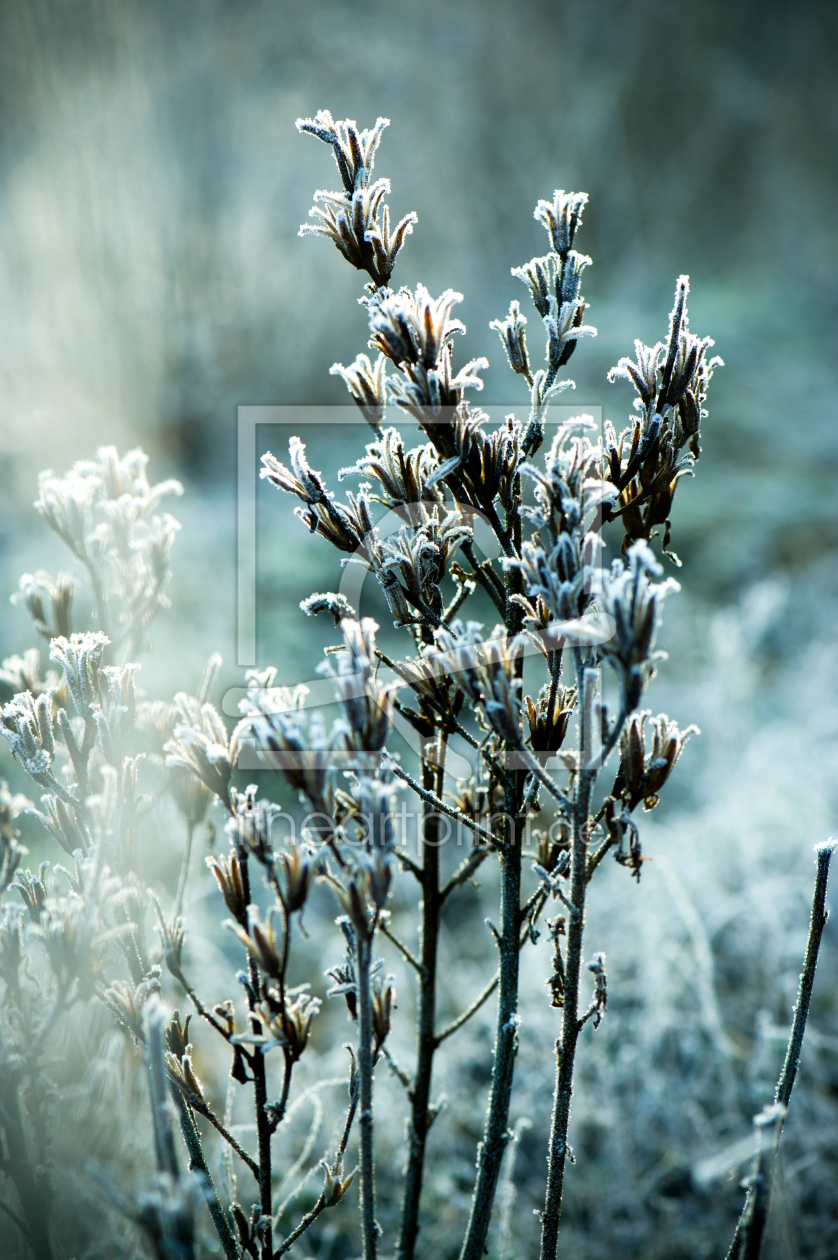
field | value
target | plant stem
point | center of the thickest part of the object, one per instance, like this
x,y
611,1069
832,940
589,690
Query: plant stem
x,y
369,1226
496,1136
426,1043
571,1024
785,1084
260,1090
198,1164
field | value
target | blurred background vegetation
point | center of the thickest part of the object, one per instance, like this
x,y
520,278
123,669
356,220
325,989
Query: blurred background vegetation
x,y
151,280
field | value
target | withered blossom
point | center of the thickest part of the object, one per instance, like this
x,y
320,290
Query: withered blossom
x,y
356,218
643,773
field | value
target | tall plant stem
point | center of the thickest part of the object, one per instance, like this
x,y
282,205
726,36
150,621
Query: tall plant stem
x,y
496,1135
744,1228
198,1164
571,1024
260,1092
426,1042
369,1225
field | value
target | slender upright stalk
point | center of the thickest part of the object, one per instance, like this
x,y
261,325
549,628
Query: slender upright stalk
x,y
426,1043
260,1092
496,1135
369,1225
571,1024
743,1235
197,1163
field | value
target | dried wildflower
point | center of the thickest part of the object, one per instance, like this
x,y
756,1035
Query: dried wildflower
x,y
548,721
343,977
405,478
262,941
513,337
560,584
366,889
338,606
23,673
228,875
488,671
383,1005
345,529
642,775
633,601
412,327
304,753
33,891
65,822
75,941
287,1018
661,445
182,1074
416,559
485,464
126,1003
355,219
172,936
366,384
335,1185
27,726
414,330
561,218
201,744
249,825
34,589
80,658
570,490
103,510
622,833
364,701
295,871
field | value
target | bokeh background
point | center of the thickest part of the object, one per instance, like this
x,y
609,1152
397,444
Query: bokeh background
x,y
152,280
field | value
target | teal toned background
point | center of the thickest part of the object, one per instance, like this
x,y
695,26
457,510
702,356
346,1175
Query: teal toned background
x,y
151,280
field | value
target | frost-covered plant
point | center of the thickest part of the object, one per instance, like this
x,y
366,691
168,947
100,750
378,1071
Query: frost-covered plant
x,y
526,700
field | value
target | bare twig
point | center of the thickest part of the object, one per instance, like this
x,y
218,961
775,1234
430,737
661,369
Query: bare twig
x,y
785,1084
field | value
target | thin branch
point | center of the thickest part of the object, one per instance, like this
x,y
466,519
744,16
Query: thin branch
x,y
543,777
401,947
198,1164
465,871
322,1203
487,577
419,1090
230,1140
463,591
597,856
397,1069
785,1084
369,1225
436,802
409,864
469,1011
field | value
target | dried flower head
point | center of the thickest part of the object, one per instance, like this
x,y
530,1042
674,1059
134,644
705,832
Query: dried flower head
x,y
356,218
633,601
642,774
